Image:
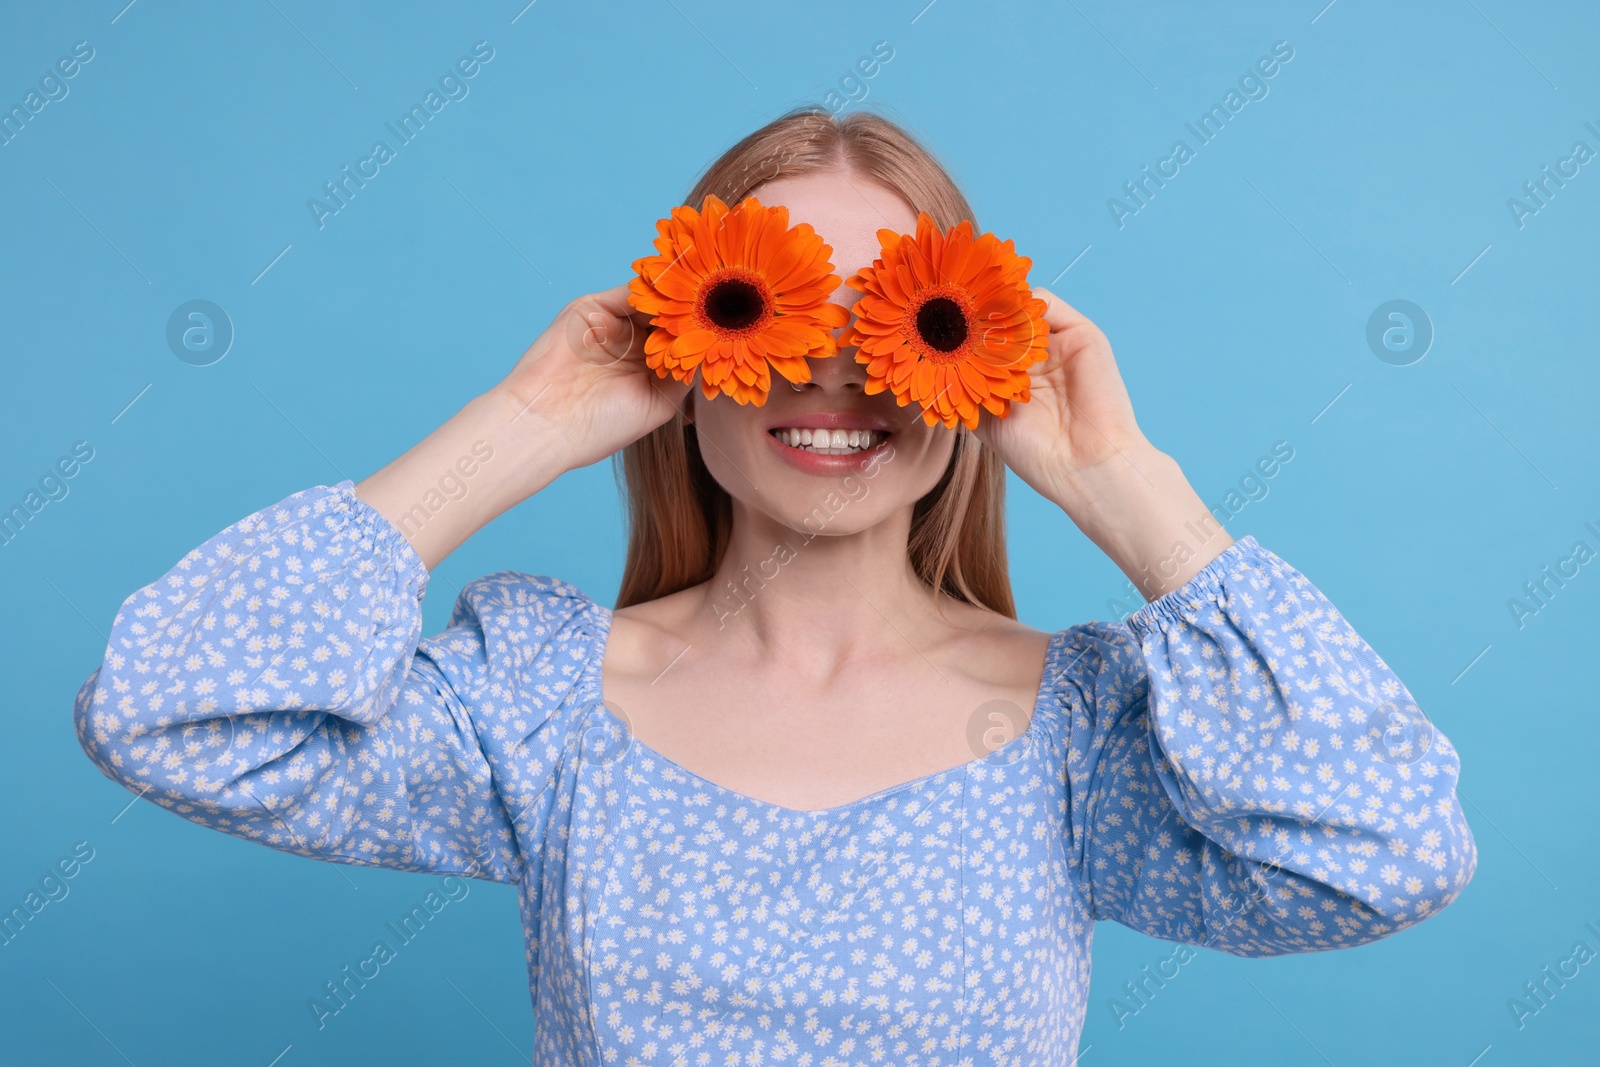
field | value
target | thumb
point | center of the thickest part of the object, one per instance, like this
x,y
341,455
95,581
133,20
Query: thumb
x,y
603,329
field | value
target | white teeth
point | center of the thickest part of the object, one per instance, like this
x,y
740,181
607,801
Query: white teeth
x,y
829,442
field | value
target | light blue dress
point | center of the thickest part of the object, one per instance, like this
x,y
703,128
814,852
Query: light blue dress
x,y
1233,767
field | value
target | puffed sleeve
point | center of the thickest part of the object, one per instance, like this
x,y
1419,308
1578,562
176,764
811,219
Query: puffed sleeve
x,y
1245,773
273,685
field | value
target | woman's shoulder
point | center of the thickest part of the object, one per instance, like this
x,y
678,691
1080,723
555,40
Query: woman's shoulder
x,y
518,593
1093,660
521,655
513,621
652,632
991,643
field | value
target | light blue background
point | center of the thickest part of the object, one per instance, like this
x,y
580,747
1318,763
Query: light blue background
x,y
1378,167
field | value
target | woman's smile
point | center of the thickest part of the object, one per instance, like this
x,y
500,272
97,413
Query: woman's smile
x,y
830,442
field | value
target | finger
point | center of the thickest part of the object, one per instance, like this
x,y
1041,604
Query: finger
x,y
598,337
615,302
614,299
638,321
1058,314
604,330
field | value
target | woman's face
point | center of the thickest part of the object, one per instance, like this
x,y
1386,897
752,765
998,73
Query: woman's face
x,y
761,456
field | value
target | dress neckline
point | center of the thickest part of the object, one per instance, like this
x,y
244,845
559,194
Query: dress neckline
x,y
1011,749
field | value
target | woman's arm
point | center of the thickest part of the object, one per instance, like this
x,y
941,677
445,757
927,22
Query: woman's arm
x,y
270,686
273,685
490,456
1246,773
1243,770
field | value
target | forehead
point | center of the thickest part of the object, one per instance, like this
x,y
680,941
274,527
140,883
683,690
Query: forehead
x,y
846,210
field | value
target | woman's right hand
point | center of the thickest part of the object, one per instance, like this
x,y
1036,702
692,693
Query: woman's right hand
x,y
579,393
586,377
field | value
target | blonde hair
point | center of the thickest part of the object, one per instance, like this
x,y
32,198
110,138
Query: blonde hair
x,y
680,519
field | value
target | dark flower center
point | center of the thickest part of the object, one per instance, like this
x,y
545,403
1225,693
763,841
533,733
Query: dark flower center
x,y
941,324
734,304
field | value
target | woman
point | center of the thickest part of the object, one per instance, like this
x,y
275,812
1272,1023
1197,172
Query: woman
x,y
810,793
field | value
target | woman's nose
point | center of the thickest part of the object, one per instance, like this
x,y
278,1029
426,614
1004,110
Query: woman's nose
x,y
839,372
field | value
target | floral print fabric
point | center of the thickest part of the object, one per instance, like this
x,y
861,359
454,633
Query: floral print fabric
x,y
1233,767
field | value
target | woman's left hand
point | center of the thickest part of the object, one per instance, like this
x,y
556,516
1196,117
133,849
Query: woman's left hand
x,y
1076,442
1079,415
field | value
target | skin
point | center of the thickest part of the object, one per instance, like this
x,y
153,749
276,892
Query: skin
x,y
843,675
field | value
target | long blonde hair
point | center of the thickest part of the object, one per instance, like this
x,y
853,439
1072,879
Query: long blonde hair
x,y
680,519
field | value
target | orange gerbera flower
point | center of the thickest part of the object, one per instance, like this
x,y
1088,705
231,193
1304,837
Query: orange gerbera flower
x,y
948,322
734,293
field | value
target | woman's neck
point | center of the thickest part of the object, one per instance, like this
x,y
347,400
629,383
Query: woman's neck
x,y
820,592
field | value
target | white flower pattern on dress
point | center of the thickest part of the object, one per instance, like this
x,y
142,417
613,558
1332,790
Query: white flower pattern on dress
x,y
1233,767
